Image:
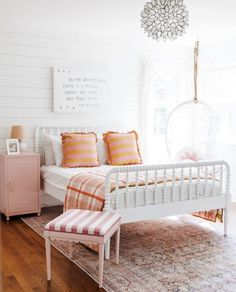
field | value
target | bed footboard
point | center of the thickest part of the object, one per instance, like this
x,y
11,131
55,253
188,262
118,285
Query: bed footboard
x,y
168,189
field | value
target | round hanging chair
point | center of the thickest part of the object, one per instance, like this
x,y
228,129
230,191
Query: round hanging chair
x,y
190,132
190,127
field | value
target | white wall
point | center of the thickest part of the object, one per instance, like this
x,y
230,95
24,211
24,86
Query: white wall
x,y
27,56
26,94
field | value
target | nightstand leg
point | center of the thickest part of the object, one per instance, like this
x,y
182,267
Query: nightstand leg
x,y
8,218
39,214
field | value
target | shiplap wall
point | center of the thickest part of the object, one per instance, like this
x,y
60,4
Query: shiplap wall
x,y
26,94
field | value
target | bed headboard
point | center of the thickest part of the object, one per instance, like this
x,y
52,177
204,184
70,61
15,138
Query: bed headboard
x,y
56,130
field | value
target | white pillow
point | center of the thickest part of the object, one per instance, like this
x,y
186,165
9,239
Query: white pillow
x,y
188,154
48,152
57,149
54,154
102,151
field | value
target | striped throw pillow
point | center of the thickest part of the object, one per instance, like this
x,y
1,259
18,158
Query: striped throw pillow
x,y
79,150
122,148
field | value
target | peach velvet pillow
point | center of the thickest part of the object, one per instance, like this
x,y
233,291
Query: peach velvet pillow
x,y
122,148
79,150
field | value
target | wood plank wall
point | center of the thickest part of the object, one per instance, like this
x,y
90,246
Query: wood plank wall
x,y
26,93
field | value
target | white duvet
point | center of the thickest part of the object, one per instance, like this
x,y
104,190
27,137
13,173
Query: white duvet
x,y
56,180
59,177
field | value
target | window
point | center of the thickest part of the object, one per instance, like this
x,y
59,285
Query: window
x,y
222,98
168,86
172,84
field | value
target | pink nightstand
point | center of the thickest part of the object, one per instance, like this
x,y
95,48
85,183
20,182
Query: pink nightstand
x,y
19,184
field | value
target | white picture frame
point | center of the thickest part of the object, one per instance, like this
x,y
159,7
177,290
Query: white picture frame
x,y
13,147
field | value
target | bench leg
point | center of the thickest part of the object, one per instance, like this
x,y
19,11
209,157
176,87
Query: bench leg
x,y
70,249
48,257
101,263
107,250
117,245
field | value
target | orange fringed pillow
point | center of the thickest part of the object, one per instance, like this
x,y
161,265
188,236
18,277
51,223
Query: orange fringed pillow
x,y
79,150
122,148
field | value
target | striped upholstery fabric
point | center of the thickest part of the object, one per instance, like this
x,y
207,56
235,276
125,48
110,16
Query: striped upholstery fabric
x,y
122,148
84,222
79,150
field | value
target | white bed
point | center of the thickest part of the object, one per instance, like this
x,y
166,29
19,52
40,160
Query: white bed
x,y
56,179
198,192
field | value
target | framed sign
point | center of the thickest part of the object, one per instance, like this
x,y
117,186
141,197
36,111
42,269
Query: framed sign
x,y
80,90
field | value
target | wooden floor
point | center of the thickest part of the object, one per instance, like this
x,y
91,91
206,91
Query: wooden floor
x,y
22,263
22,260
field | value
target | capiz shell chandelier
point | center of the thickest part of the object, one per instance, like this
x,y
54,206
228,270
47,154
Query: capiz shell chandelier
x,y
164,19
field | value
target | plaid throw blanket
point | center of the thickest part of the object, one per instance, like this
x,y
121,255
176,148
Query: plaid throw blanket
x,y
87,191
212,215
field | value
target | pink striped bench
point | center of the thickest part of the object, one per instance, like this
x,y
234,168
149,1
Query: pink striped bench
x,y
83,226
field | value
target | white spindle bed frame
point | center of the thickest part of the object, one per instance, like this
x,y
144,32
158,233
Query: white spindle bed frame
x,y
199,193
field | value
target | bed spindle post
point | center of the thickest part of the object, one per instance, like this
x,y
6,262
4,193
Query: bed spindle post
x,y
127,189
136,188
155,192
213,180
198,181
173,185
227,195
190,184
117,201
221,178
146,201
164,186
107,188
36,141
205,180
181,182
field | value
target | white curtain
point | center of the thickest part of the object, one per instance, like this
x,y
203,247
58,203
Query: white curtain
x,y
146,111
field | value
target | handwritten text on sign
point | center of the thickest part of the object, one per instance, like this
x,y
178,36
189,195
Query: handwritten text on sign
x,y
80,90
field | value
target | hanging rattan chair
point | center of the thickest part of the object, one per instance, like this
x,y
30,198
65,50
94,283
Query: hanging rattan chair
x,y
190,131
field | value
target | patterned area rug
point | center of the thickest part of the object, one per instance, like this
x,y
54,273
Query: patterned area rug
x,y
170,254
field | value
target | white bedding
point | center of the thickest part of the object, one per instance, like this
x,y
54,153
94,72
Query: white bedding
x,y
59,177
56,180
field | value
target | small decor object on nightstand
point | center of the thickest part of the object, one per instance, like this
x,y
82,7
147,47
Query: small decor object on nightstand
x,y
12,146
18,132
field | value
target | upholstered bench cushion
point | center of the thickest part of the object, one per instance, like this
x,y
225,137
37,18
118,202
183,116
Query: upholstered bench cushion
x,y
84,222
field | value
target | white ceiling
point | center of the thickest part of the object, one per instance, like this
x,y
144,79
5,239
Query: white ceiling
x,y
210,20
